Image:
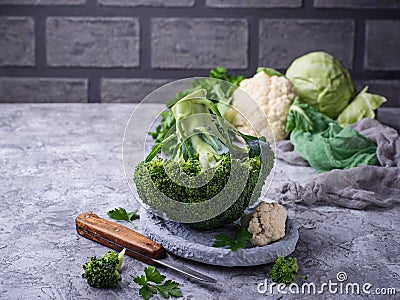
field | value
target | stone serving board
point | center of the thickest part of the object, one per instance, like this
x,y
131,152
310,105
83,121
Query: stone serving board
x,y
192,244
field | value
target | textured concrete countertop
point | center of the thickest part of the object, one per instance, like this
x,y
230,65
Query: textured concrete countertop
x,y
57,161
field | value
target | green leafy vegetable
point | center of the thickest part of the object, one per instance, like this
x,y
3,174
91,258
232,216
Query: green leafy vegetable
x,y
217,90
121,214
285,270
322,82
242,236
221,73
269,71
103,272
168,289
362,106
298,118
324,143
167,121
203,152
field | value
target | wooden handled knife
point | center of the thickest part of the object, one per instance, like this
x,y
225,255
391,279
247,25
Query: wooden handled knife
x,y
117,237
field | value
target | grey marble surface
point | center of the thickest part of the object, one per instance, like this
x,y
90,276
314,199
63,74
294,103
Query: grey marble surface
x,y
57,161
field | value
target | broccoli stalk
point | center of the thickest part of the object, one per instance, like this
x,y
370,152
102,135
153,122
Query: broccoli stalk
x,y
103,272
201,135
205,165
220,85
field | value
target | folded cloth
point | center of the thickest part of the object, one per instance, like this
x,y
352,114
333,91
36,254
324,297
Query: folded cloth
x,y
387,139
285,151
357,187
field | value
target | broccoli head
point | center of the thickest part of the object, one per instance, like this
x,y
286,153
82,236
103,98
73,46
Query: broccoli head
x,y
103,272
209,180
285,270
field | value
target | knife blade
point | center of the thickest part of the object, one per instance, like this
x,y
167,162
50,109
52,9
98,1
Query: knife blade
x,y
117,237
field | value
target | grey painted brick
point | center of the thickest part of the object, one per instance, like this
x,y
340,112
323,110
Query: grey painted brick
x,y
203,43
19,90
93,42
388,88
129,90
17,46
389,116
357,4
281,41
151,3
254,3
42,2
382,51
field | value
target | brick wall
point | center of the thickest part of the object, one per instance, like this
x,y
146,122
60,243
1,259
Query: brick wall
x,y
120,50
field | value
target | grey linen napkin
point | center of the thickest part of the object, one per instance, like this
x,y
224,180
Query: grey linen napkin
x,y
358,187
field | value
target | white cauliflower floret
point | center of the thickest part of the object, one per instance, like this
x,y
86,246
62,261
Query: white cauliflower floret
x,y
267,223
273,96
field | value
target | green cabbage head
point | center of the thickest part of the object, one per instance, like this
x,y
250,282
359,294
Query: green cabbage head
x,y
322,82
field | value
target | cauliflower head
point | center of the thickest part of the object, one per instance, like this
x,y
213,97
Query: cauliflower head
x,y
273,96
267,223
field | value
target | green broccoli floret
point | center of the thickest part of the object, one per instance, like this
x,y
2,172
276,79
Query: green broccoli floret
x,y
205,165
103,272
285,270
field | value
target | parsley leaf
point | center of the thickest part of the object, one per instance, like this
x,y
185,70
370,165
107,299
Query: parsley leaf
x,y
147,291
140,280
222,240
152,274
121,214
242,236
168,289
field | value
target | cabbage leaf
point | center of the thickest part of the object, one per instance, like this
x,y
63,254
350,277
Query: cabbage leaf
x,y
361,107
324,143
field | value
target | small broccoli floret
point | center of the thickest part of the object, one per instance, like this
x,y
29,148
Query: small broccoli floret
x,y
285,270
206,168
103,272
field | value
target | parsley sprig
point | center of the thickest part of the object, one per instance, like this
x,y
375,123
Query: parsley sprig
x,y
168,289
242,236
121,214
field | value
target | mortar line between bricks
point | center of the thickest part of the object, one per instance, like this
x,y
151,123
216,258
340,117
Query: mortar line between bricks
x,y
359,49
199,4
40,42
308,5
78,72
202,12
94,78
91,4
253,43
94,89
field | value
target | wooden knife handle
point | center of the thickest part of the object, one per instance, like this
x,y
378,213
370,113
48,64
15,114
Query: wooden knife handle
x,y
116,236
